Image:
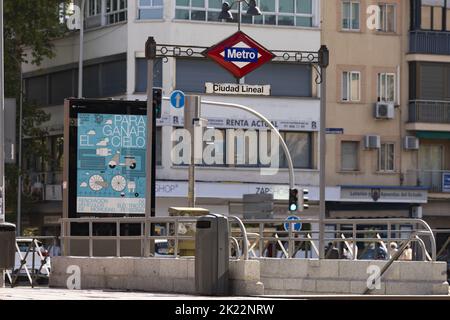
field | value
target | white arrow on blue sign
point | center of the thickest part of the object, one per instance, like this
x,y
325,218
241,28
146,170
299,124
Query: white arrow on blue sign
x,y
177,99
295,226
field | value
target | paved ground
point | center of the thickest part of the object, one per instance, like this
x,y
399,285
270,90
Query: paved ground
x,y
45,293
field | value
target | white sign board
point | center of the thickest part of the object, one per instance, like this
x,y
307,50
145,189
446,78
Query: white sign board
x,y
237,88
387,195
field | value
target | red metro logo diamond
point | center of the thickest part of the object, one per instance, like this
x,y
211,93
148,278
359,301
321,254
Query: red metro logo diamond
x,y
239,54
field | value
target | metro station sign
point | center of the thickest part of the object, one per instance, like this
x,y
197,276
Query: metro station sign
x,y
239,54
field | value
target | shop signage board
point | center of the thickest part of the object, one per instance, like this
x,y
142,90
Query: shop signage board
x,y
384,195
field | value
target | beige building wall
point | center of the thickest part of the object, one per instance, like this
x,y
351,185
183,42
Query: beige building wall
x,y
369,52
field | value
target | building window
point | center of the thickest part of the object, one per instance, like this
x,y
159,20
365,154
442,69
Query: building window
x,y
150,9
386,87
387,18
351,86
191,74
116,11
349,156
36,90
433,15
350,15
285,79
104,79
300,147
247,144
386,157
429,81
93,8
288,80
274,12
141,74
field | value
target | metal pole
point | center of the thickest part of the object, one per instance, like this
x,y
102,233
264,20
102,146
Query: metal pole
x,y
2,115
239,15
19,182
150,54
81,57
322,204
191,114
324,61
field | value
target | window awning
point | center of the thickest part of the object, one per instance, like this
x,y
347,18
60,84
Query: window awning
x,y
433,135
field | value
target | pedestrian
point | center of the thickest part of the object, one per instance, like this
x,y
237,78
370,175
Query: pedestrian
x,y
406,254
332,252
55,250
393,249
380,252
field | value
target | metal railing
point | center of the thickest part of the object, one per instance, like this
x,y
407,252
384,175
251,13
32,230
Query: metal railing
x,y
258,238
429,111
429,42
175,230
431,179
345,233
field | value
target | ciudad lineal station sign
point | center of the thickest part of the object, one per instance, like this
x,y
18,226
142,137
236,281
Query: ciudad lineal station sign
x,y
241,89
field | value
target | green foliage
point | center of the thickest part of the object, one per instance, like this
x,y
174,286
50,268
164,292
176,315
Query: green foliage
x,y
29,26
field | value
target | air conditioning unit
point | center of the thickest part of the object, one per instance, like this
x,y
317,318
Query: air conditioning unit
x,y
372,142
384,110
411,143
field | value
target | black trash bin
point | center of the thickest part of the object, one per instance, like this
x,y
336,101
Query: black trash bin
x,y
7,245
212,255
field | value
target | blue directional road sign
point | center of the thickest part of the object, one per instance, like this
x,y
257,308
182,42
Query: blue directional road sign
x,y
296,226
177,99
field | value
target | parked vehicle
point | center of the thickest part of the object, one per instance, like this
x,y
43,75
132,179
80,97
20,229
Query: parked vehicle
x,y
161,247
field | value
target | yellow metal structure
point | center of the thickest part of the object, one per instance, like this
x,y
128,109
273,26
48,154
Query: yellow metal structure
x,y
187,247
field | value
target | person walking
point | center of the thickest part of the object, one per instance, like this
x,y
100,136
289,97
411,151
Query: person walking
x,y
407,254
332,252
393,249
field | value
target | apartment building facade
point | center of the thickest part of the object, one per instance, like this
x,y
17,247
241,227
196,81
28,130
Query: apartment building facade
x,y
388,110
115,67
387,104
428,60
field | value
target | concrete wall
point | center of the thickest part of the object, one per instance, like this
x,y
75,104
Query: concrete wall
x,y
152,274
255,277
298,277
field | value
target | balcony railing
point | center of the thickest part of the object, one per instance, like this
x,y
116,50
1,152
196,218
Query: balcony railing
x,y
431,179
431,111
429,42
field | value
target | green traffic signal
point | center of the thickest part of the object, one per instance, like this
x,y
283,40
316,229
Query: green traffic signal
x,y
293,199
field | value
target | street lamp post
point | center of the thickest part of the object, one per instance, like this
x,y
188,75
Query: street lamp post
x,y
81,56
324,59
2,119
253,10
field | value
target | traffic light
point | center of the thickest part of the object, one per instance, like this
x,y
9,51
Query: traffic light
x,y
157,102
293,200
304,199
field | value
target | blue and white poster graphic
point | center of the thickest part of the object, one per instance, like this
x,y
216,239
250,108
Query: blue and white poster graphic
x,y
111,163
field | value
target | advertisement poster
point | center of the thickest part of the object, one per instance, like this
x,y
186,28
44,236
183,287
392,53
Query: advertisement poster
x,y
111,163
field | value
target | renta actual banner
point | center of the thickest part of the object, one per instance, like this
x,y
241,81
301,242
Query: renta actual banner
x,y
111,163
237,88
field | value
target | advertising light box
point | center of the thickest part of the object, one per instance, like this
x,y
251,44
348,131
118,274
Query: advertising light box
x,y
107,157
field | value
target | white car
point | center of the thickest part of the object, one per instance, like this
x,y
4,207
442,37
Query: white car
x,y
41,258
